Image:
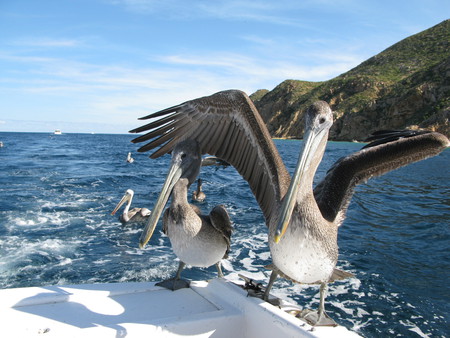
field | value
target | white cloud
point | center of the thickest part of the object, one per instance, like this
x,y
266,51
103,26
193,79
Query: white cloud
x,y
45,42
117,94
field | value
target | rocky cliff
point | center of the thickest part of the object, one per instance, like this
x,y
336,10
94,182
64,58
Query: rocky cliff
x,y
405,86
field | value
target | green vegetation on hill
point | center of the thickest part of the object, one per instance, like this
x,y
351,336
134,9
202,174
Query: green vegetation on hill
x,y
405,86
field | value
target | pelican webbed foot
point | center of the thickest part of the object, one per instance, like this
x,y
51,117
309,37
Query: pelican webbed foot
x,y
174,284
313,318
320,317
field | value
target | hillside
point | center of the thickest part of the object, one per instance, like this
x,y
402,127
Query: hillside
x,y
405,86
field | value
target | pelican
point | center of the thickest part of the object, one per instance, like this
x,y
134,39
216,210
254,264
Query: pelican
x,y
136,215
198,195
129,158
302,222
198,240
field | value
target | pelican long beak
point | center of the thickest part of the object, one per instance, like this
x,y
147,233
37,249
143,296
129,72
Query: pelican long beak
x,y
173,176
124,199
311,142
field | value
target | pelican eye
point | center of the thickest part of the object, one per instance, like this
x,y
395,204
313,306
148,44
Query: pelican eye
x,y
183,155
322,120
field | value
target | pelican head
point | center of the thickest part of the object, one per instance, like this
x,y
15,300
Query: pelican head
x,y
185,166
126,198
319,119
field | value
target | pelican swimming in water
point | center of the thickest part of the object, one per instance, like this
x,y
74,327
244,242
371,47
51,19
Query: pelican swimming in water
x,y
302,222
135,215
129,158
197,240
198,195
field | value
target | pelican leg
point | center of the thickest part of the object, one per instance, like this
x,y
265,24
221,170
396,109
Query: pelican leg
x,y
175,283
266,297
320,317
219,270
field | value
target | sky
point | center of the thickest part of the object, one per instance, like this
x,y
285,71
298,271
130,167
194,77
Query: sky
x,y
98,65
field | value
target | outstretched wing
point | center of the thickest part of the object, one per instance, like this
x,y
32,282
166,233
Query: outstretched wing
x,y
226,125
388,151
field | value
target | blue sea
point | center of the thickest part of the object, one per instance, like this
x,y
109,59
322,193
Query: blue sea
x,y
58,191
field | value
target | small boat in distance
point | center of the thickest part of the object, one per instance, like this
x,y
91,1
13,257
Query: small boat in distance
x,y
57,132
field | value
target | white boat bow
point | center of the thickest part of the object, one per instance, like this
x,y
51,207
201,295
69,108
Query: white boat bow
x,y
218,308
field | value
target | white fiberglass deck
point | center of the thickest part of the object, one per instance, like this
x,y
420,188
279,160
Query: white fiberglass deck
x,y
215,309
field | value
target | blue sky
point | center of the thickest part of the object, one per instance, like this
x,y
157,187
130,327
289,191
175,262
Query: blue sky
x,y
98,65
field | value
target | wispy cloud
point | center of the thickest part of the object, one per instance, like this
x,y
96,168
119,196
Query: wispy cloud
x,y
46,42
259,11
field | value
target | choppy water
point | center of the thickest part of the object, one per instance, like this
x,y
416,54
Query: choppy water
x,y
57,192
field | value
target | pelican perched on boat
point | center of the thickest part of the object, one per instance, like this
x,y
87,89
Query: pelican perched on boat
x,y
129,158
302,222
197,240
198,195
135,215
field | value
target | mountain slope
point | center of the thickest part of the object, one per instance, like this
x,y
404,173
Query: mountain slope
x,y
405,86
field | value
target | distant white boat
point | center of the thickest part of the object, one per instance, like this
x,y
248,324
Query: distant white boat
x,y
57,132
217,308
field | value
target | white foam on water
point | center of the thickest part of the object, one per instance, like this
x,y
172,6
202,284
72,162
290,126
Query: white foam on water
x,y
419,332
248,264
37,219
136,251
414,328
264,255
16,249
256,276
65,261
154,273
130,230
361,312
101,261
23,222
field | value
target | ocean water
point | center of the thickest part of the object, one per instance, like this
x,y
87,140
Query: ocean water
x,y
57,193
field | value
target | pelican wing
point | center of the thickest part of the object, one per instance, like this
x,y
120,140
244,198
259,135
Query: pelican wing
x,y
226,125
387,152
221,221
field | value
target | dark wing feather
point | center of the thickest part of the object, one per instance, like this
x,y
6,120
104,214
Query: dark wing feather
x,y
385,136
220,220
334,192
226,125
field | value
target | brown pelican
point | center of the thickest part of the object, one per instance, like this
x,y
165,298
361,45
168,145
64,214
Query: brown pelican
x,y
129,158
302,223
198,195
196,239
136,215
